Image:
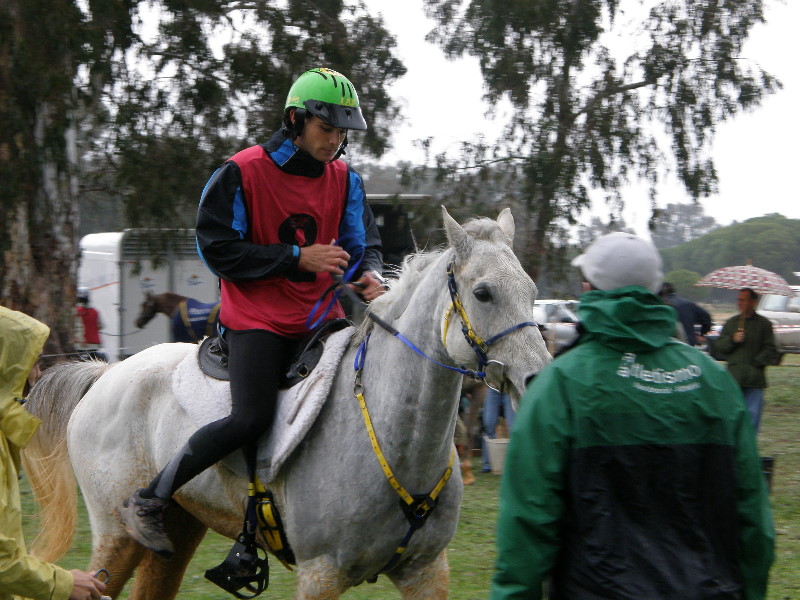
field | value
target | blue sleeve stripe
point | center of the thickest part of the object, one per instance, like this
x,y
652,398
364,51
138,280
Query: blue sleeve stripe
x,y
351,230
208,183
239,213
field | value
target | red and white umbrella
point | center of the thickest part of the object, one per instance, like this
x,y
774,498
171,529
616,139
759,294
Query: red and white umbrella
x,y
747,276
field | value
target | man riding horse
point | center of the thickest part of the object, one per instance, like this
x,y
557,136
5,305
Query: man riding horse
x,y
276,223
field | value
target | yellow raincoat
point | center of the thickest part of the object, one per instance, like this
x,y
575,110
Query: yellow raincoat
x,y
21,341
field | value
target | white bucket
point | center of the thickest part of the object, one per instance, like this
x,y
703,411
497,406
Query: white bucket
x,y
497,453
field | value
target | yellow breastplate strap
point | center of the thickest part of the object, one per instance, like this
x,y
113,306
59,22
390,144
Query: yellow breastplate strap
x,y
417,507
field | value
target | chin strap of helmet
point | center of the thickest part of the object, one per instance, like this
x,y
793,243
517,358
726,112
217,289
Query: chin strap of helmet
x,y
341,148
293,130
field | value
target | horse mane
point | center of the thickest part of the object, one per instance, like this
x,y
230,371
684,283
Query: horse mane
x,y
391,305
170,296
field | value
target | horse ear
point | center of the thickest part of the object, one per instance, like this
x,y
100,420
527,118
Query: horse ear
x,y
506,222
456,236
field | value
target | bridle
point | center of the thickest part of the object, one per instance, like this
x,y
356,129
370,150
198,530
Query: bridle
x,y
479,345
148,311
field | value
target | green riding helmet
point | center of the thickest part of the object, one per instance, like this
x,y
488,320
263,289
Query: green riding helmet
x,y
328,95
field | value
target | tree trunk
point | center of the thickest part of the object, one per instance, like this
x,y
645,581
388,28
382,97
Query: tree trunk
x,y
39,262
38,164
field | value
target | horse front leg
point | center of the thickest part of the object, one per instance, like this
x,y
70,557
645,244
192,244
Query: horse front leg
x,y
318,579
431,582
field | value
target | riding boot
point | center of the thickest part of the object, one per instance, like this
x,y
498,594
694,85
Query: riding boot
x,y
144,520
143,513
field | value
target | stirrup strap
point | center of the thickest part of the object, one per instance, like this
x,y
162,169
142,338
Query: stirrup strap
x,y
243,568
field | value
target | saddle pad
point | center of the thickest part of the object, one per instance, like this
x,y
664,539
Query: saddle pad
x,y
206,400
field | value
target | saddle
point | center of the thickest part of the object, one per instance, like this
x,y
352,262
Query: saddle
x,y
213,355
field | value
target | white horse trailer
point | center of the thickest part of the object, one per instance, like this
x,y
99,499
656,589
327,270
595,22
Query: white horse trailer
x,y
117,270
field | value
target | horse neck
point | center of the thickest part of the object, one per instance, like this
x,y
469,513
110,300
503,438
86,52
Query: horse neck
x,y
416,397
167,303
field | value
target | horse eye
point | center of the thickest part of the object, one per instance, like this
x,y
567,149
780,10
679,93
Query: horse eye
x,y
482,293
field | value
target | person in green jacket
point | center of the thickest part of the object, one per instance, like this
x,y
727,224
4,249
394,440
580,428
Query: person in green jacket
x,y
22,575
748,343
632,470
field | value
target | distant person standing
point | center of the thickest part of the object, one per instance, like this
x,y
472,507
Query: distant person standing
x,y
495,405
689,315
87,327
748,343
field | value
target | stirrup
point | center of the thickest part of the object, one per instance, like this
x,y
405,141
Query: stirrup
x,y
243,568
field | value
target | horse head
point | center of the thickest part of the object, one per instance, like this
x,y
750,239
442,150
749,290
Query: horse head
x,y
147,311
494,323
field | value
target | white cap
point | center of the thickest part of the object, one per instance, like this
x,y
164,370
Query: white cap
x,y
621,259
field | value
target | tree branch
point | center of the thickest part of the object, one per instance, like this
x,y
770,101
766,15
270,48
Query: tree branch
x,y
485,163
608,93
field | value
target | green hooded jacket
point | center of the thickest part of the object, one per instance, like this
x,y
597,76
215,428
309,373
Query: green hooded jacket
x,y
21,342
632,470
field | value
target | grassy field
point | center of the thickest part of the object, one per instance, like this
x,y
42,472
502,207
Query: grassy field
x,y
471,553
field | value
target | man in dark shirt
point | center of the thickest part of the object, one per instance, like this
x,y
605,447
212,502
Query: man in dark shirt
x,y
748,343
689,314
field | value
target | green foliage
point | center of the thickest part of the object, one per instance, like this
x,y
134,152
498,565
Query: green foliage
x,y
139,101
203,103
680,223
771,242
683,281
163,92
585,114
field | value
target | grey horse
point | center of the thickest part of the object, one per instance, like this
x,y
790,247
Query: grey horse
x,y
339,505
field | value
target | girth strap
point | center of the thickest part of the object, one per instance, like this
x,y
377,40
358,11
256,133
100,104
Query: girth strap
x,y
210,321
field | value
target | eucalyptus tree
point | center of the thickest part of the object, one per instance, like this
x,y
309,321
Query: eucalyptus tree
x,y
602,92
142,99
678,223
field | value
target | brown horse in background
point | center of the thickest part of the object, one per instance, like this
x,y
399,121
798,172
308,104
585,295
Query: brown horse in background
x,y
191,320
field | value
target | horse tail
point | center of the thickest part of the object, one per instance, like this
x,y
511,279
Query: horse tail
x,y
46,460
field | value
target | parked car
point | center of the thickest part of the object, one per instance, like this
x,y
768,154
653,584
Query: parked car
x,y
784,312
557,322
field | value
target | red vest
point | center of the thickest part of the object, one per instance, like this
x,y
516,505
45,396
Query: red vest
x,y
90,320
288,209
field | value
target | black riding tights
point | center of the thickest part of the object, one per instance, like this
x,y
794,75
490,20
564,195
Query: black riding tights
x,y
257,359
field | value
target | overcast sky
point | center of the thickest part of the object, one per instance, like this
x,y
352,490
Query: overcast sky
x,y
756,154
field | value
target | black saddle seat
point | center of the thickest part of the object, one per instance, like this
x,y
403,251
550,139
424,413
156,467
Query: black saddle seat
x,y
213,354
